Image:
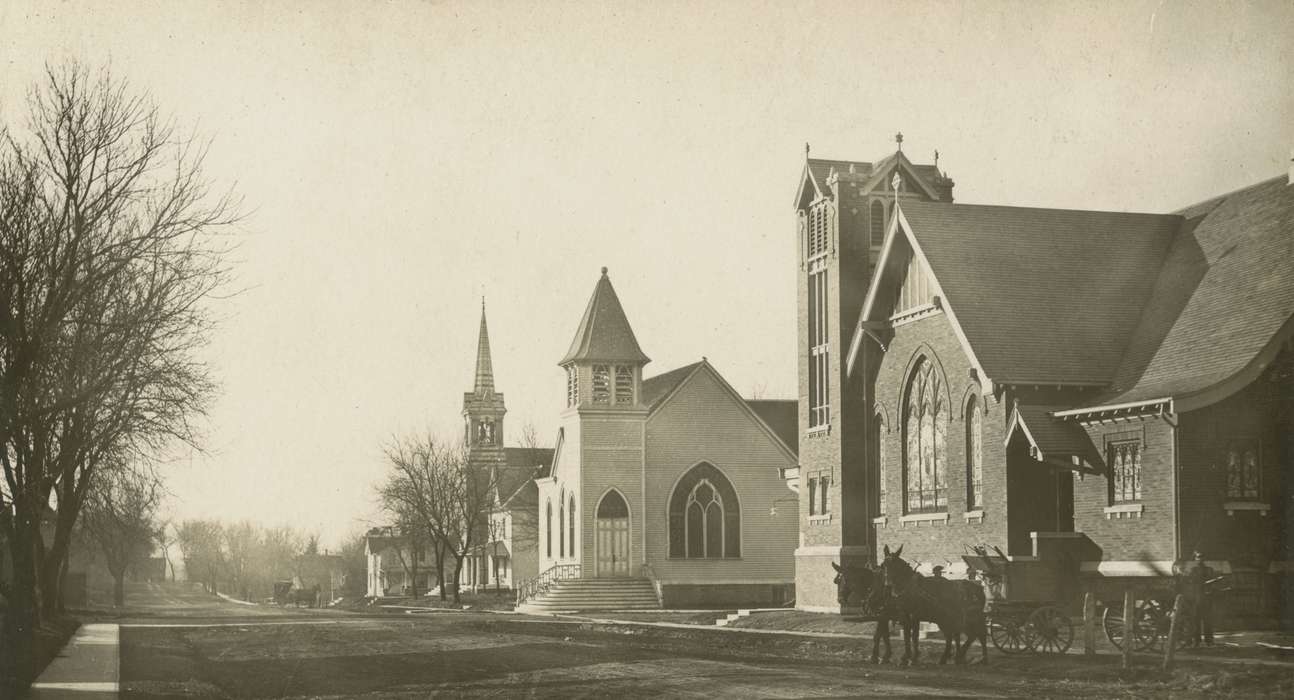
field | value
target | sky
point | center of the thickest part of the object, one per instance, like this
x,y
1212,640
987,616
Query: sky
x,y
399,161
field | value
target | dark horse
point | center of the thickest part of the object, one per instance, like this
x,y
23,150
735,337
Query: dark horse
x,y
863,585
957,607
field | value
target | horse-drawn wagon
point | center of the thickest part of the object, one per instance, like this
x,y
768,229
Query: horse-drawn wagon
x,y
1025,610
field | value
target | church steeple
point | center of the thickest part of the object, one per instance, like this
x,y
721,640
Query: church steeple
x,y
483,408
484,369
604,363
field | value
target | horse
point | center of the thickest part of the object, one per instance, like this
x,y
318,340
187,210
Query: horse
x,y
863,583
957,607
309,596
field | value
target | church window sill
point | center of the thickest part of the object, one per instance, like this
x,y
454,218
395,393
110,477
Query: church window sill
x,y
1124,510
1232,506
819,431
974,516
882,521
821,518
918,519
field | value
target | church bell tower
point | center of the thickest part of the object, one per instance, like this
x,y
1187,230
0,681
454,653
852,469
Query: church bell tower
x,y
483,408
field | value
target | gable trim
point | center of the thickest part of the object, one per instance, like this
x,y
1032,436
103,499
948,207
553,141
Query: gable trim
x,y
898,223
882,177
807,175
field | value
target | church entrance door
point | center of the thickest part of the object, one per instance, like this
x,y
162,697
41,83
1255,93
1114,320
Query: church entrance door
x,y
612,536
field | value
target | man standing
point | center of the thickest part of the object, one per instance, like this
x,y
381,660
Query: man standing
x,y
1198,578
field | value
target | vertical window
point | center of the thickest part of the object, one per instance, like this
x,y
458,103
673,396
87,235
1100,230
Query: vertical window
x,y
570,525
1244,475
974,456
819,354
561,528
824,495
880,466
601,384
1125,463
813,496
925,428
624,385
704,517
572,386
878,224
548,530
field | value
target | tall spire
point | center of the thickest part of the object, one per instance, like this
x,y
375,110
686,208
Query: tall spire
x,y
484,369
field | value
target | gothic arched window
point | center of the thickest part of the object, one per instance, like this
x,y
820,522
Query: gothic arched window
x,y
548,530
925,430
704,516
561,528
879,451
974,455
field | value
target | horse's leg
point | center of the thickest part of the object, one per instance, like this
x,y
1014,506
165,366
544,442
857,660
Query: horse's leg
x,y
876,640
889,651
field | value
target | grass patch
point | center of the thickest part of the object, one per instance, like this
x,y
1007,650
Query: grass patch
x,y
799,621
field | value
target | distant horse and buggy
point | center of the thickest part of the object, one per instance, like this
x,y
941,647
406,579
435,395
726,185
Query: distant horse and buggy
x,y
286,594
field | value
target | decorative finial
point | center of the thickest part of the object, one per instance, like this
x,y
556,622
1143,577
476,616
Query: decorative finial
x,y
896,182
898,138
604,270
936,157
806,149
482,303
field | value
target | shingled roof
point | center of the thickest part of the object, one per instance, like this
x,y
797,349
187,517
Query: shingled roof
x,y
782,416
655,389
1224,293
1043,295
604,332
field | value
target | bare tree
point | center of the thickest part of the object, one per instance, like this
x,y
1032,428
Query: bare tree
x,y
204,556
110,247
450,497
120,515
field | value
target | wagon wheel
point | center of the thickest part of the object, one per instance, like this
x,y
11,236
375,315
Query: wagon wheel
x,y
1008,635
1050,630
1144,629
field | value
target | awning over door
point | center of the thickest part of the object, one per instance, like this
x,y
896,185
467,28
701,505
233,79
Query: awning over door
x,y
1058,443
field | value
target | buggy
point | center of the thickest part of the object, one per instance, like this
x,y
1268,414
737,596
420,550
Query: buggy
x,y
1023,611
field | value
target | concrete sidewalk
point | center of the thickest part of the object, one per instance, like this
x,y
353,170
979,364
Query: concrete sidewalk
x,y
88,667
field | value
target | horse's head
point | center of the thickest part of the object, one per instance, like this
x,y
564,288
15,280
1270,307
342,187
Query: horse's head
x,y
897,574
852,583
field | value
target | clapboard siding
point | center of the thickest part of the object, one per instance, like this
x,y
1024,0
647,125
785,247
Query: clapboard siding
x,y
565,477
611,458
705,422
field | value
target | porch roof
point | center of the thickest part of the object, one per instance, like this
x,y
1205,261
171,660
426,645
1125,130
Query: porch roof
x,y
1056,442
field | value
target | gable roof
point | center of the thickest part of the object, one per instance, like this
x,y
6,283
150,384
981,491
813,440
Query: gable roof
x,y
604,332
1055,440
1223,299
1041,295
869,175
656,389
782,416
522,466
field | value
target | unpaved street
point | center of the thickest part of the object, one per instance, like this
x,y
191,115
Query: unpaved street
x,y
183,643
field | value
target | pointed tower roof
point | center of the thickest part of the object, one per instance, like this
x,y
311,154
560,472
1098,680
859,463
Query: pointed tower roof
x,y
604,332
484,369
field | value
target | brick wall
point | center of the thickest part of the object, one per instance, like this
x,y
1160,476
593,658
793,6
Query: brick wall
x,y
937,541
1145,536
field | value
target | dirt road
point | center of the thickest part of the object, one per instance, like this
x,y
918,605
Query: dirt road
x,y
190,646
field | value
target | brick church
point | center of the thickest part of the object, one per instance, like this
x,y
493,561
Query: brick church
x,y
1101,392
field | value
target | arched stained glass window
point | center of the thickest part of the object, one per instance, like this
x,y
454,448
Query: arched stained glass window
x,y
561,529
704,516
925,428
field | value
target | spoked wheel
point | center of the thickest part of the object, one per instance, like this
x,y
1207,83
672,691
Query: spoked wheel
x,y
1145,630
1050,630
1008,635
